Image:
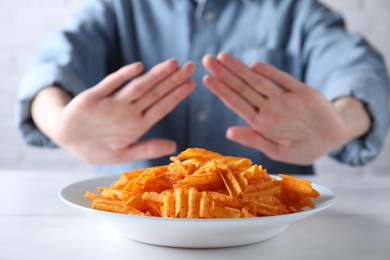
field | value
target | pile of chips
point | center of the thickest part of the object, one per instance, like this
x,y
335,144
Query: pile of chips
x,y
203,184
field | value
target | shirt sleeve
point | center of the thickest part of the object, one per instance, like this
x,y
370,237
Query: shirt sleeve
x,y
342,64
74,58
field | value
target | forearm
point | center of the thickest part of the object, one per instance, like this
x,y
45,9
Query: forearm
x,y
355,116
46,109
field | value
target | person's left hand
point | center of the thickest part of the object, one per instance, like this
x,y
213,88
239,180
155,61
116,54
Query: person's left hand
x,y
289,121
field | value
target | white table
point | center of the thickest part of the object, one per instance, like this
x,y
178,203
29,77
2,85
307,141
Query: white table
x,y
35,224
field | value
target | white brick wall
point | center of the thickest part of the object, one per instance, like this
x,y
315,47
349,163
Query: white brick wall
x,y
23,24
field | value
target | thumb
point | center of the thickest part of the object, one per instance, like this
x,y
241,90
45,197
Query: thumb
x,y
251,138
149,149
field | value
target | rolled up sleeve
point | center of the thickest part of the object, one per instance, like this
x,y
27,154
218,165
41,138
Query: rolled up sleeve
x,y
74,58
342,64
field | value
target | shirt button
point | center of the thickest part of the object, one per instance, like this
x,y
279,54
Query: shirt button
x,y
210,16
201,116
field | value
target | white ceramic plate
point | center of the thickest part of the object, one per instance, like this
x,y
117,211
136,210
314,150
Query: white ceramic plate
x,y
195,233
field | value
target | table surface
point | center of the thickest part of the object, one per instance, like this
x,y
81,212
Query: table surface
x,y
35,224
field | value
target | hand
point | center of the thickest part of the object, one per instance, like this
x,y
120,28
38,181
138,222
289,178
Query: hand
x,y
103,124
289,121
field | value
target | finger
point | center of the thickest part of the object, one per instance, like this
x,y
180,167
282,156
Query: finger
x,y
232,100
258,82
149,149
116,79
282,78
167,86
249,137
168,103
139,86
231,80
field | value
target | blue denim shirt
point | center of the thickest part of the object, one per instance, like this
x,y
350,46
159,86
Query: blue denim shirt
x,y
301,37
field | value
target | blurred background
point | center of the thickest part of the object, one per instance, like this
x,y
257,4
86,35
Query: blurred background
x,y
24,23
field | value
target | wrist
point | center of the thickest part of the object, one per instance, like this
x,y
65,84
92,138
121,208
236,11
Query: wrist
x,y
354,115
46,110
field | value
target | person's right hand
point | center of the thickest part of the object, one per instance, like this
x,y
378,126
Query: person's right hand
x,y
102,125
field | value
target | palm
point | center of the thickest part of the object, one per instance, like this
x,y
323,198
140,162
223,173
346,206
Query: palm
x,y
302,125
103,125
289,121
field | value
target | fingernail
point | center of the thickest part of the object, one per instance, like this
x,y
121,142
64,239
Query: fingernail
x,y
172,62
205,57
139,64
174,147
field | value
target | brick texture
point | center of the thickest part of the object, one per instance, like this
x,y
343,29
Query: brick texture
x,y
24,23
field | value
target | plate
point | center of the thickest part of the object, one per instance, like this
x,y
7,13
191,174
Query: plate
x,y
190,233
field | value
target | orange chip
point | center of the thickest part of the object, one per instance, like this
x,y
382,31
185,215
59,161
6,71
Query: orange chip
x,y
269,205
92,195
205,178
123,180
223,199
299,185
168,210
265,185
193,203
199,154
181,205
206,206
177,167
272,190
225,212
246,214
230,181
203,184
115,206
237,163
153,197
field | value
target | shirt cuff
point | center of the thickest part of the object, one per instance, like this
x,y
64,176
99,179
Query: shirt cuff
x,y
36,79
370,91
